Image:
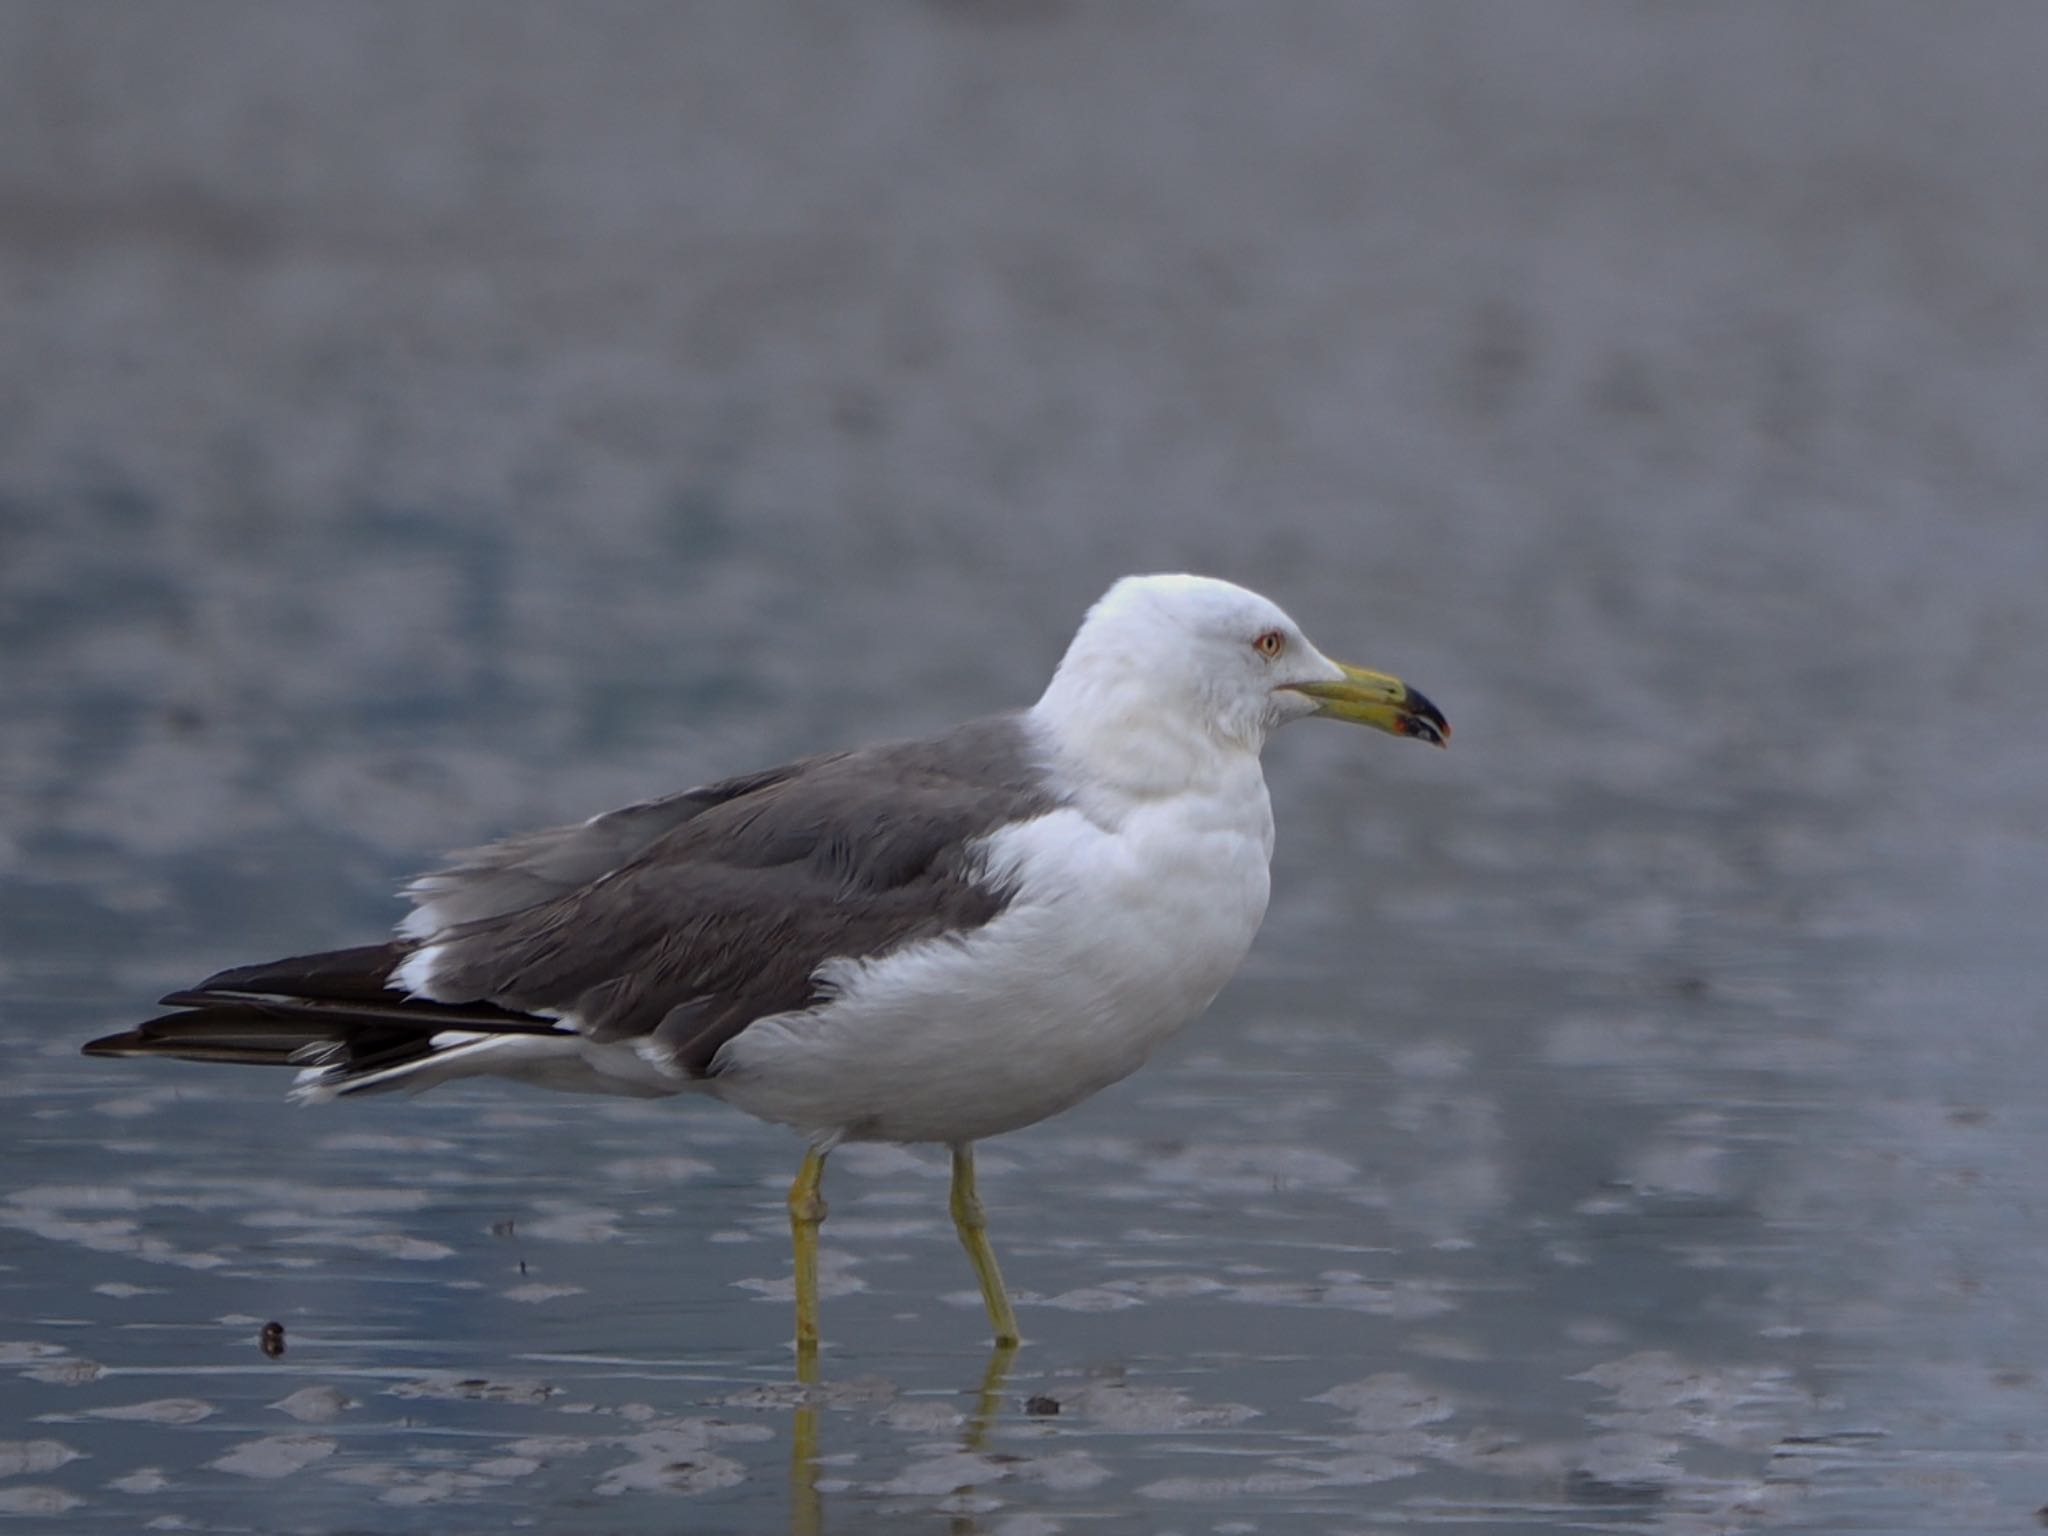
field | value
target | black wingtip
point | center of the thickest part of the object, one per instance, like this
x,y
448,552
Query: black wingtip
x,y
354,975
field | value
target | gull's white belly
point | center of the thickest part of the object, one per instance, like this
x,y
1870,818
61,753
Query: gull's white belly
x,y
1116,938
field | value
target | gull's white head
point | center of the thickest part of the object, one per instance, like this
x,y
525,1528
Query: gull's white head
x,y
1202,665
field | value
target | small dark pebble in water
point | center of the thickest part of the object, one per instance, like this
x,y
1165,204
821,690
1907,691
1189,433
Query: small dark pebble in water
x,y
271,1339
1041,1406
504,1228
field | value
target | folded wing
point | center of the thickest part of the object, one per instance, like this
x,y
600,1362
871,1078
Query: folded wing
x,y
668,926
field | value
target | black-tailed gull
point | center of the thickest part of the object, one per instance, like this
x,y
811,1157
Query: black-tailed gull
x,y
928,941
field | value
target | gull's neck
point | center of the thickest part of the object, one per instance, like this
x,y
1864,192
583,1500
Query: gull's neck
x,y
1118,745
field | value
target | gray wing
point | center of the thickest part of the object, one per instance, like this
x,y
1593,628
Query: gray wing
x,y
725,910
534,867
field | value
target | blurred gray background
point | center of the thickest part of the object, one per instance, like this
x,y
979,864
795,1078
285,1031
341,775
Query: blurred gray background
x,y
423,420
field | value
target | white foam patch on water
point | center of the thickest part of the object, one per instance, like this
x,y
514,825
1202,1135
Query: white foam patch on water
x,y
923,1416
656,1170
1658,1393
537,1292
162,1410
1133,1408
275,1456
142,1481
20,1458
1279,1482
114,1234
406,1487
1169,1287
506,1468
1026,1525
66,1373
943,1474
34,1500
449,1387
836,1277
678,1458
1389,1400
1092,1298
590,1224
315,1405
1069,1471
1630,1459
871,1228
1685,1168
390,1245
856,1392
23,1351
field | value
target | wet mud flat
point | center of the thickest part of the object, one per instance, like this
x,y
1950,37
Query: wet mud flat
x,y
466,1331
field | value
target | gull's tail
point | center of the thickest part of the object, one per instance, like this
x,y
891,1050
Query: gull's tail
x,y
336,1017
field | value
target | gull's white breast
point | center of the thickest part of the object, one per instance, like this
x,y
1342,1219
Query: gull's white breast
x,y
1117,936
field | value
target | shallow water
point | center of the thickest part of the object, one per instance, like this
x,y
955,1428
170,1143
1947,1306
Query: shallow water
x,y
1629,1120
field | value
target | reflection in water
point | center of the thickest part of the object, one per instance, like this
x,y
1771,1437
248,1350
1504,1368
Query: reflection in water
x,y
981,1424
806,1509
807,1505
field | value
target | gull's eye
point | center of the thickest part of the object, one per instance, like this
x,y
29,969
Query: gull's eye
x,y
1270,644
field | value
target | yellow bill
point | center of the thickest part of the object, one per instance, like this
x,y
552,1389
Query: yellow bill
x,y
1382,702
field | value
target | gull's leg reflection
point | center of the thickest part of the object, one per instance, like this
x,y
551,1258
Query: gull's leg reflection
x,y
990,1402
807,1504
806,1507
988,1407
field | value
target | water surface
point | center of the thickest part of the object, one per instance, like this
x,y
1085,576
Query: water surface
x,y
1629,1121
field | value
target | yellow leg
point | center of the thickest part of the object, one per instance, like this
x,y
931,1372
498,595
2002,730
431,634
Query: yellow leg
x,y
806,1214
972,1224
